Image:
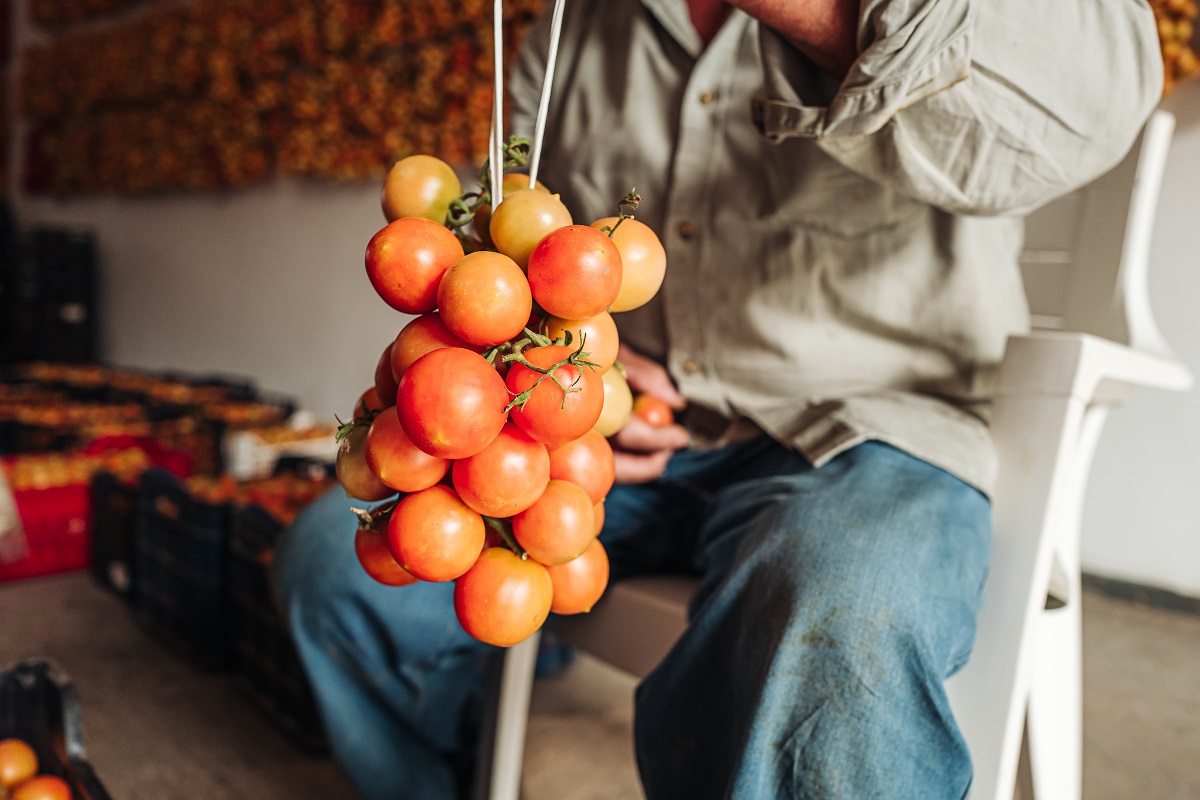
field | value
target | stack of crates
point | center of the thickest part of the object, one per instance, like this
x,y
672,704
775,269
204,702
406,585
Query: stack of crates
x,y
202,576
49,298
267,668
180,556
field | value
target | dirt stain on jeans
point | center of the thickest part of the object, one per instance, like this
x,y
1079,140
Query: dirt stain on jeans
x,y
816,638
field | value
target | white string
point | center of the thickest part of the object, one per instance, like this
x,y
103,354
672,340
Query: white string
x,y
535,155
497,137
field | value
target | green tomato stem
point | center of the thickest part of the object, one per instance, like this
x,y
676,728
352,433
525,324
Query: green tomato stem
x,y
504,528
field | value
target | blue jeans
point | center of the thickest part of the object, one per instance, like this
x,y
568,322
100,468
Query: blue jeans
x,y
833,604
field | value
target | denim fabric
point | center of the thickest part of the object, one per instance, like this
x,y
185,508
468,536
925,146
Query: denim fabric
x,y
833,604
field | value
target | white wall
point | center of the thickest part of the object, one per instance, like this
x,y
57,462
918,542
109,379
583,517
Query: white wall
x,y
270,283
1142,517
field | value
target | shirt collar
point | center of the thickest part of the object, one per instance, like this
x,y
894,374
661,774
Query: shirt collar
x,y
673,16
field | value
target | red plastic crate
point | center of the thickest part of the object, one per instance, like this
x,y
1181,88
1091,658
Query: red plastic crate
x,y
57,531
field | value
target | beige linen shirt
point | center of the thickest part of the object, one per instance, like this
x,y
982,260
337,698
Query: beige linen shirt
x,y
842,257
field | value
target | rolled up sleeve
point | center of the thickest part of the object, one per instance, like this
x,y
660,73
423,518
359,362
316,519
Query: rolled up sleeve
x,y
977,108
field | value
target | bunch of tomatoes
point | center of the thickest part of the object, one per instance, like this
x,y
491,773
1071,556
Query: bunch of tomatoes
x,y
490,411
18,775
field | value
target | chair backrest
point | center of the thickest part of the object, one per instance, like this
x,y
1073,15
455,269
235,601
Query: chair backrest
x,y
1086,254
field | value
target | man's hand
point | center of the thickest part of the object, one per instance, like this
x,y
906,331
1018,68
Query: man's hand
x,y
641,450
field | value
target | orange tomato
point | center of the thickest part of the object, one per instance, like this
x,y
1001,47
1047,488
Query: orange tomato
x,y
559,526
43,787
18,762
424,333
484,298
502,599
396,461
434,535
580,582
653,411
419,186
598,334
520,222
586,462
377,561
643,259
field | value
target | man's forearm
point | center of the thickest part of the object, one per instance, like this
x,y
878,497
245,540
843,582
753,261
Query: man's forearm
x,y
824,30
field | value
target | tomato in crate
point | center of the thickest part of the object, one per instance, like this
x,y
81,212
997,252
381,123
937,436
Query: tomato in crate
x,y
39,706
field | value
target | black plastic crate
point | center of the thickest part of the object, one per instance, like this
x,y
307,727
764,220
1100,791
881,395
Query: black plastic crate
x,y
39,704
181,570
267,667
18,437
114,549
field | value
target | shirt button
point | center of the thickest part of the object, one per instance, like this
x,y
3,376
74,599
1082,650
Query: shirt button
x,y
691,366
708,97
686,229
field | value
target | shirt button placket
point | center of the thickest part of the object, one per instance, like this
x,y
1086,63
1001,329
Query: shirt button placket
x,y
692,293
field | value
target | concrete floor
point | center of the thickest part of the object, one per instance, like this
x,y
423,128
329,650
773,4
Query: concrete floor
x,y
156,728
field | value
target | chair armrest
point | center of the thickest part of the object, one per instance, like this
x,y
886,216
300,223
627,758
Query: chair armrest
x,y
1087,367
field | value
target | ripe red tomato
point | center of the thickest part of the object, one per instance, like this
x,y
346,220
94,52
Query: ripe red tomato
x,y
502,600
406,260
484,298
505,477
419,186
433,535
643,261
385,383
377,561
451,402
551,415
43,787
523,219
424,333
652,410
559,526
599,333
575,272
396,461
580,582
587,462
18,762
352,471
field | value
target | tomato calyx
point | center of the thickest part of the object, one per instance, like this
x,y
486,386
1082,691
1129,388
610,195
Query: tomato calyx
x,y
630,201
363,419
577,357
503,529
376,518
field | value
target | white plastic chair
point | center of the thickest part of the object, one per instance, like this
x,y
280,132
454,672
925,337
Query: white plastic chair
x,y
1085,267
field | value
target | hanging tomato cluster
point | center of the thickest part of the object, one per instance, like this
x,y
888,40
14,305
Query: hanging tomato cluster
x,y
488,410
